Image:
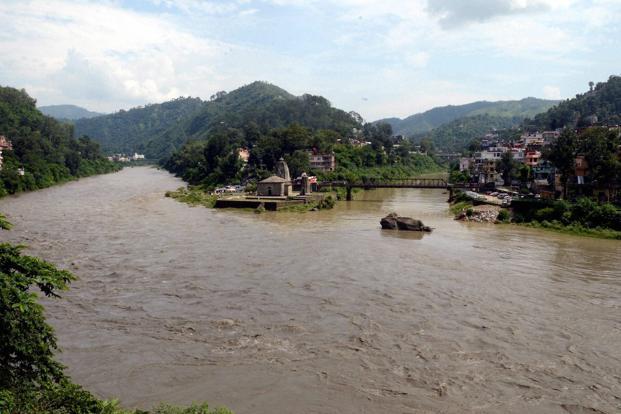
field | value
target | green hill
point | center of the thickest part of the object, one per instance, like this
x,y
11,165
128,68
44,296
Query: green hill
x,y
42,146
159,130
456,135
426,121
129,131
602,102
67,112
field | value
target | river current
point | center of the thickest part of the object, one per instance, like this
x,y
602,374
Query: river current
x,y
323,312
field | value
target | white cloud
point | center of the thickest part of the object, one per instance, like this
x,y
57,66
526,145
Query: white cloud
x,y
104,56
551,92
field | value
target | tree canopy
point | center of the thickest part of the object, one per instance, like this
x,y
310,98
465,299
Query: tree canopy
x,y
42,147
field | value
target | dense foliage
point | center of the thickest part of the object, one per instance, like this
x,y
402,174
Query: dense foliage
x,y
458,134
130,131
257,108
580,217
436,117
602,101
42,146
602,151
215,160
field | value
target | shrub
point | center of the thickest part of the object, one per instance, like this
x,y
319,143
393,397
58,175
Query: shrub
x,y
504,216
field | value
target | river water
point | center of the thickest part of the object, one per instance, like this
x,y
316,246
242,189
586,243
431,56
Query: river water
x,y
323,312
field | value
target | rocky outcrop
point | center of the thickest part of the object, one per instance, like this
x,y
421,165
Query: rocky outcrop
x,y
479,214
394,222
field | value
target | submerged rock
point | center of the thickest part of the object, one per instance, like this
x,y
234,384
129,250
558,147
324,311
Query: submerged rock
x,y
393,221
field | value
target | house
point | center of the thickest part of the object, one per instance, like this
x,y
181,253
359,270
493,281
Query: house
x,y
464,164
244,154
532,158
581,169
5,145
321,162
273,186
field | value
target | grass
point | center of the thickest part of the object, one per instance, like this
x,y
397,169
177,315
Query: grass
x,y
193,197
575,229
460,206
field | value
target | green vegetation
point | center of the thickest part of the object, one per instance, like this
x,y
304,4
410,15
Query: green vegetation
x,y
460,206
193,197
255,109
504,216
131,131
214,160
603,102
43,147
601,149
575,229
436,117
455,136
32,381
584,217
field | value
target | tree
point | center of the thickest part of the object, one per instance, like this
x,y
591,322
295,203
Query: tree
x,y
507,166
562,153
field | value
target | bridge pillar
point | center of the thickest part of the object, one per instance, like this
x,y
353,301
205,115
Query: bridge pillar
x,y
349,197
450,188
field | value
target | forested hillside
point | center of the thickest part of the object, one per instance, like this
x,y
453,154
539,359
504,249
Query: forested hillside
x,y
129,131
214,160
42,147
456,135
159,130
67,112
426,121
250,110
601,104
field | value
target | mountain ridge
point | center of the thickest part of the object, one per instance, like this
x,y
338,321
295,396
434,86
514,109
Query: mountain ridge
x,y
68,112
151,130
438,116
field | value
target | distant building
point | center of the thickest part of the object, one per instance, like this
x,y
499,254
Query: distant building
x,y
244,154
5,145
273,186
581,169
322,162
464,164
532,158
276,185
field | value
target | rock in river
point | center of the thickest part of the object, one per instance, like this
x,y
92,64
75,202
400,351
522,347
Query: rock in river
x,y
393,221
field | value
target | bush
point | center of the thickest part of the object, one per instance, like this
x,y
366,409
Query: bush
x,y
504,216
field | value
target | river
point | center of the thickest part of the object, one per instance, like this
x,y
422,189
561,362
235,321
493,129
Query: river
x,y
323,312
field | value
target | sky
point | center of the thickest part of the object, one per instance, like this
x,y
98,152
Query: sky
x,y
379,58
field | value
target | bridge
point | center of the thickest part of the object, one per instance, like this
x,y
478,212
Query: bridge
x,y
370,183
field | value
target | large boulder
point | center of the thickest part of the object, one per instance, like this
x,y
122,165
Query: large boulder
x,y
393,221
389,222
407,223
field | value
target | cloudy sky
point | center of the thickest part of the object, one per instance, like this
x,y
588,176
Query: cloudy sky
x,y
380,58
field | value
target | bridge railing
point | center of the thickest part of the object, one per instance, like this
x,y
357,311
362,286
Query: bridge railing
x,y
379,182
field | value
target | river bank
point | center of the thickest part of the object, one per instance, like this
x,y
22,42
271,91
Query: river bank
x,y
322,312
584,218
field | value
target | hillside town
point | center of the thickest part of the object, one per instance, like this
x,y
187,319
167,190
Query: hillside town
x,y
522,165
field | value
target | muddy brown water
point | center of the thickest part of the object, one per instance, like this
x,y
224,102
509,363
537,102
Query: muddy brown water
x,y
323,312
